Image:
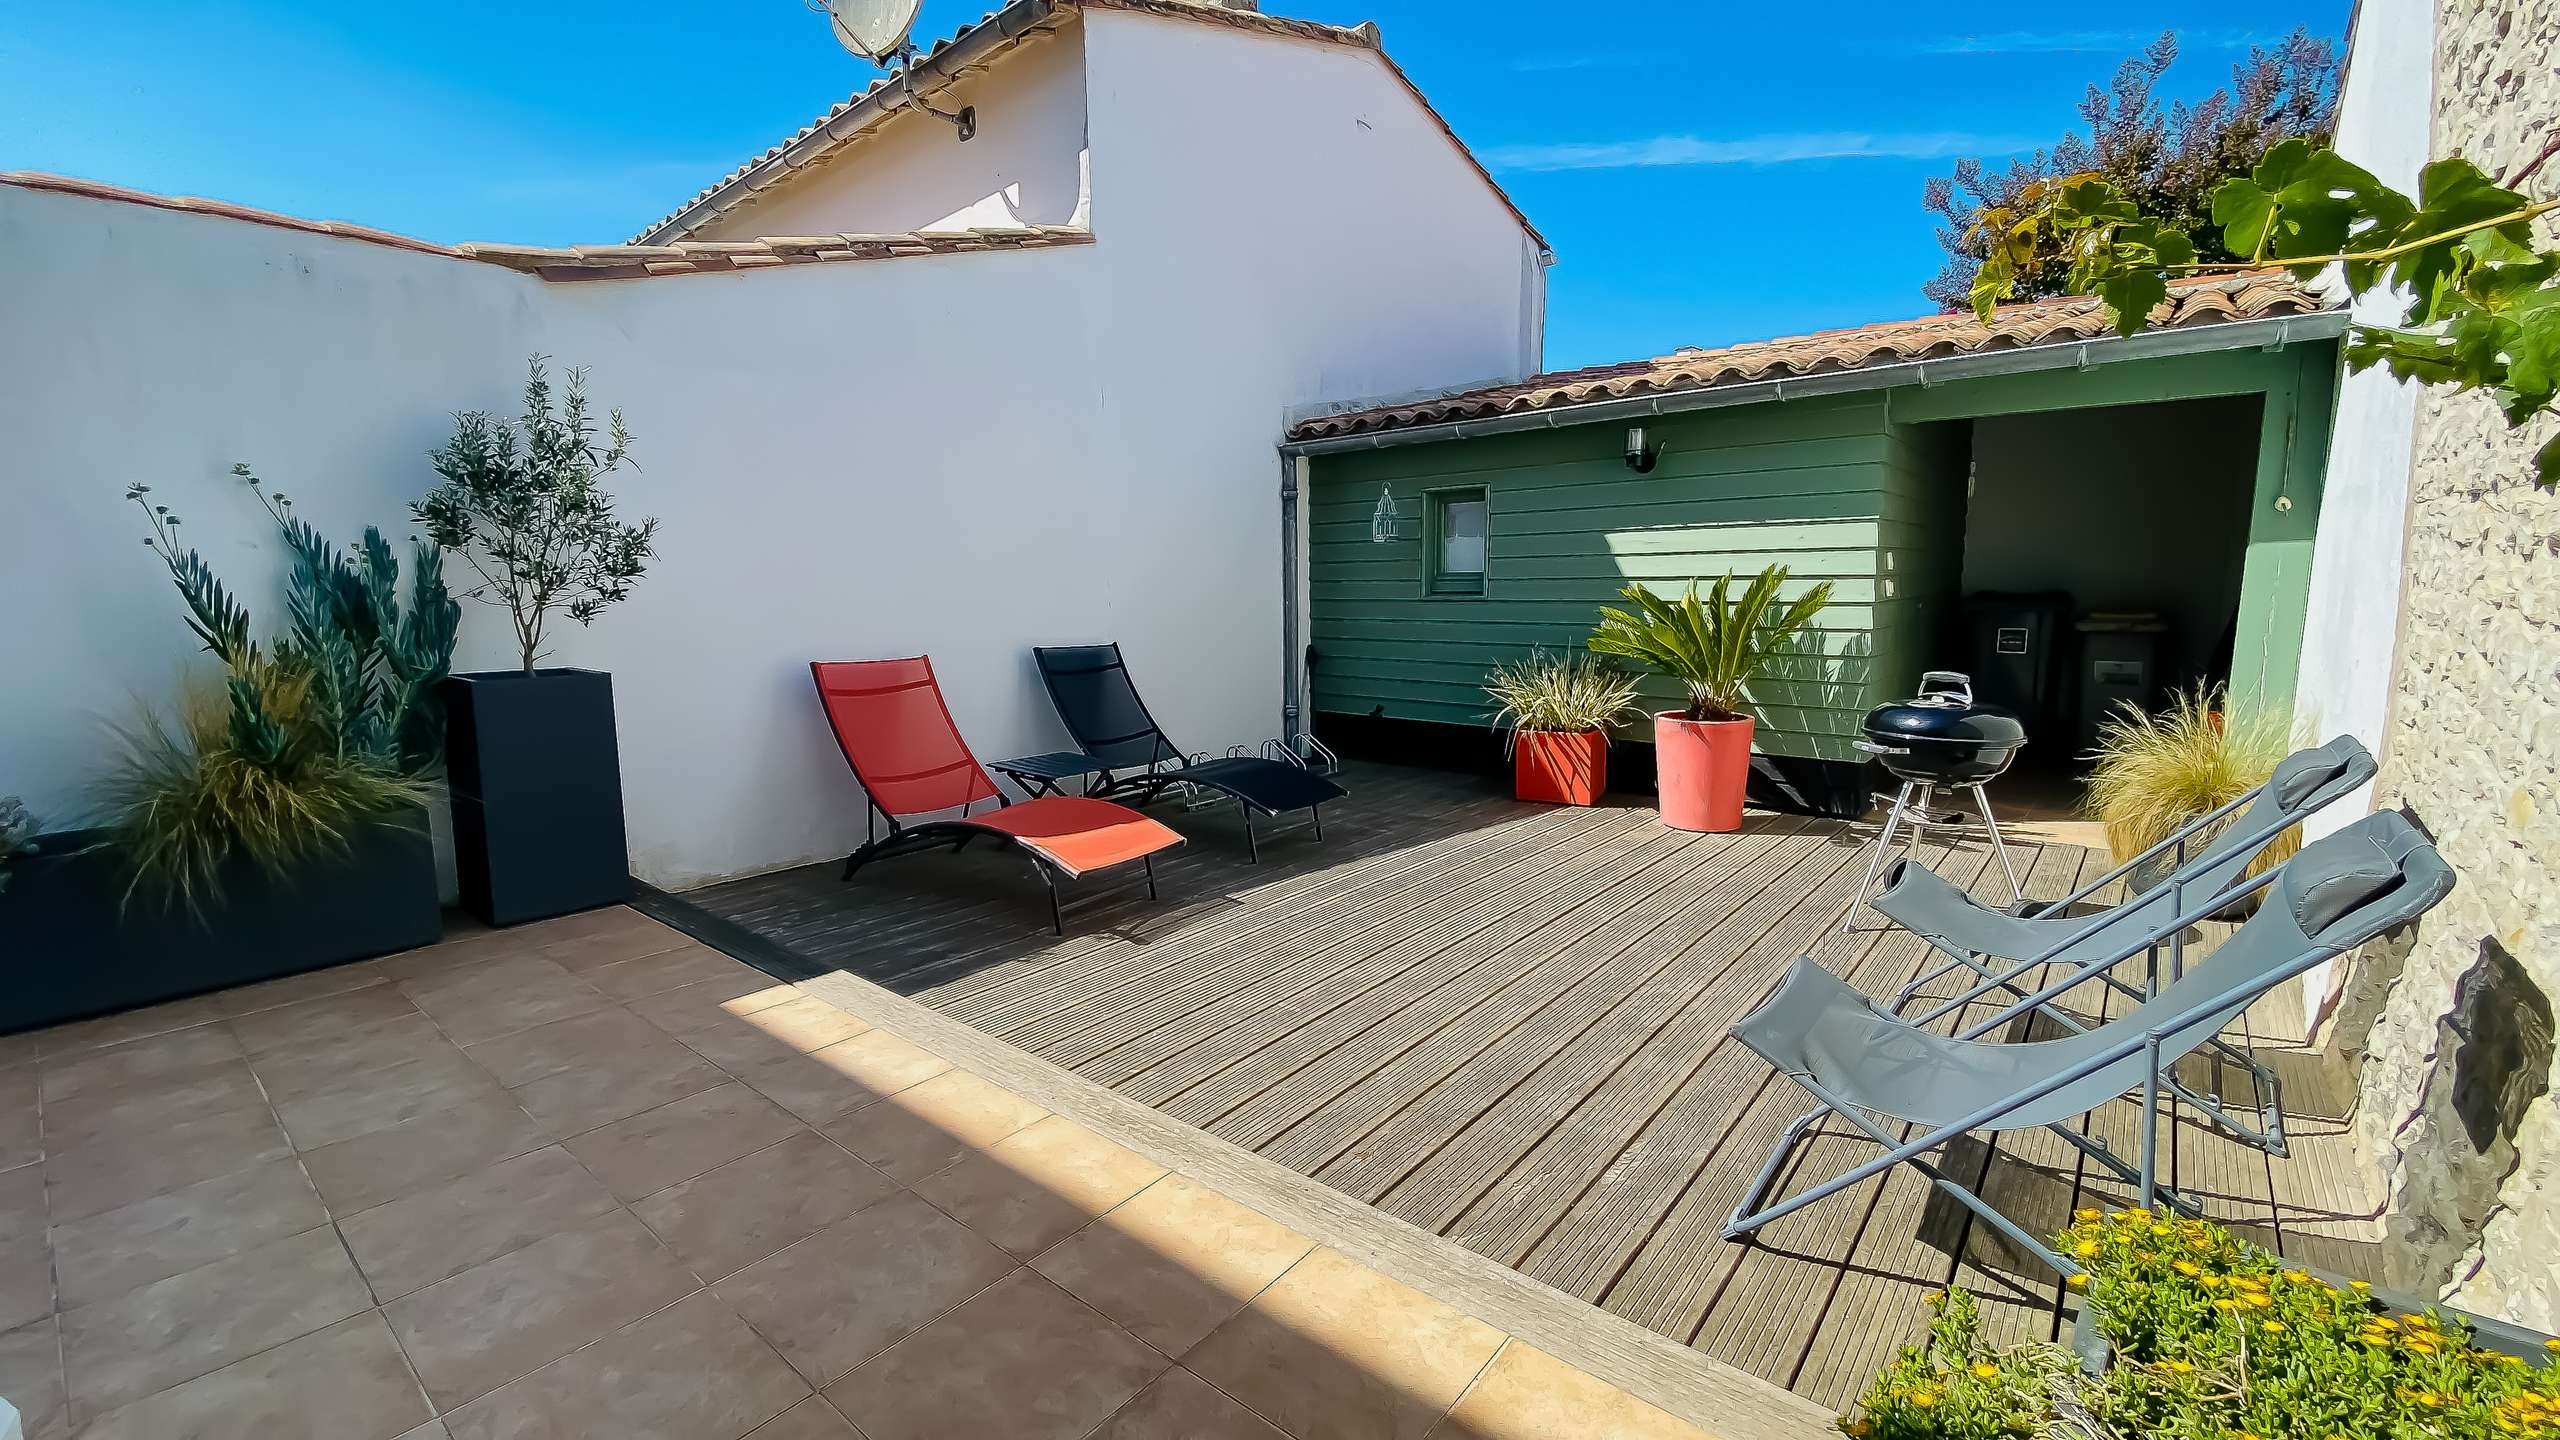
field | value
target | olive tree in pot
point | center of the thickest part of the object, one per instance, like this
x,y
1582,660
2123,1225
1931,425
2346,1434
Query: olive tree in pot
x,y
530,752
1715,648
1555,712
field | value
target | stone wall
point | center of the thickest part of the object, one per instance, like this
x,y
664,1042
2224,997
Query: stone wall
x,y
2457,1107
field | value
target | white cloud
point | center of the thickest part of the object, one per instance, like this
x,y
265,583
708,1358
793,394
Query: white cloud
x,y
1779,149
2076,42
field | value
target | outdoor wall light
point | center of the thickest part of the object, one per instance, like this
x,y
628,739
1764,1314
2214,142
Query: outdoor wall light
x,y
1641,456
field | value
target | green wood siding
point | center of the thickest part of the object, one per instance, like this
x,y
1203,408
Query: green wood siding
x,y
1866,491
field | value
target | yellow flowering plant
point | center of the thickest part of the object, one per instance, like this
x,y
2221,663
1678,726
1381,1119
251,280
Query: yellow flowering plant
x,y
2209,1338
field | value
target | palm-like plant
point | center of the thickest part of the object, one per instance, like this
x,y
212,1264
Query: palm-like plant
x,y
1715,646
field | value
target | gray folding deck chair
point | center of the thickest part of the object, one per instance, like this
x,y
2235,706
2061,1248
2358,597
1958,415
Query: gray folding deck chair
x,y
1858,1060
2204,858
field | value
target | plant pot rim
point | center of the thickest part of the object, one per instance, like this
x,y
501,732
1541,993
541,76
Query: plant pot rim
x,y
1544,730
547,672
1681,717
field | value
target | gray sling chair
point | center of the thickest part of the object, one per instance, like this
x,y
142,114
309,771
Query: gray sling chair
x,y
1858,1060
2204,858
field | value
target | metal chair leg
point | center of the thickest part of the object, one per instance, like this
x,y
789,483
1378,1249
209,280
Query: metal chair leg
x,y
1252,846
1893,821
1150,862
1982,802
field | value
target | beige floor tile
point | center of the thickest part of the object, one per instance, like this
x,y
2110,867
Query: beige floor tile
x,y
421,1154
458,953
712,1002
26,1282
501,998
129,1026
362,1104
1039,1185
1173,1262
811,1419
510,1317
306,1023
688,964
432,1430
324,1062
294,989
136,1167
117,1351
346,1382
776,1032
20,1049
573,1044
433,1235
923,1128
1023,1360
690,1372
143,1062
1528,1394
1182,1406
22,1212
579,943
1336,1349
151,1106
31,1376
580,1100
107,1254
850,1291
731,1217
844,1076
679,1140
21,1131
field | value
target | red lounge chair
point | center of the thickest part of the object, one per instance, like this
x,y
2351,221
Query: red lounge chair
x,y
898,735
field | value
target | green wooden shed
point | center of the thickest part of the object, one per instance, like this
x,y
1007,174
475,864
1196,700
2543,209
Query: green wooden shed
x,y
2166,482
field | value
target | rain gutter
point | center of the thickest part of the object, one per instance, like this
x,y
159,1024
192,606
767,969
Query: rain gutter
x,y
2272,333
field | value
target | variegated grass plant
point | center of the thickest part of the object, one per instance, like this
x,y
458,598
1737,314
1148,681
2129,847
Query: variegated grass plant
x,y
2156,771
1572,694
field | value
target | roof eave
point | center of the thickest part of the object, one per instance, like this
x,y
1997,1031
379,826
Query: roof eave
x,y
2267,332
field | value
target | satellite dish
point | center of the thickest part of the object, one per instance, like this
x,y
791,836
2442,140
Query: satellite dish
x,y
876,30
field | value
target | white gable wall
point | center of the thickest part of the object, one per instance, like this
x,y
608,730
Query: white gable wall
x,y
961,455
1025,166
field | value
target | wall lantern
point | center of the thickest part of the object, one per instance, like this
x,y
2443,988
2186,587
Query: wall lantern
x,y
878,31
1640,455
1382,521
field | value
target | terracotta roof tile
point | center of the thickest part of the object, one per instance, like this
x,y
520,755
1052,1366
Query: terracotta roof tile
x,y
1930,337
599,262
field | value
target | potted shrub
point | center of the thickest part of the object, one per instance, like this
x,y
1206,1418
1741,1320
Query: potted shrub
x,y
2152,774
1714,648
530,752
2192,1332
278,824
1555,713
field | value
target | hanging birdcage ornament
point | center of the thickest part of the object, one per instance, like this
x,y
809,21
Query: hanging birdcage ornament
x,y
1382,521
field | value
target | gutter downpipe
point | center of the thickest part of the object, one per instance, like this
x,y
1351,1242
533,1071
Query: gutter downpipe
x,y
2272,333
1293,674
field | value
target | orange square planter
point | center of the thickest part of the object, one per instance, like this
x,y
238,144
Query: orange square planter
x,y
1560,767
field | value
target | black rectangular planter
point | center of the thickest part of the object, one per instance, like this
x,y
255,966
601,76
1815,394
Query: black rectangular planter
x,y
71,945
537,793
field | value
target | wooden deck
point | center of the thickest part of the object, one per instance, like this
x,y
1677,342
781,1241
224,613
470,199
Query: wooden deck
x,y
1506,1024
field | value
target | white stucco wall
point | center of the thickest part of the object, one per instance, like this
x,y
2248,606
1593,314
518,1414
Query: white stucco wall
x,y
2356,560
962,455
1025,165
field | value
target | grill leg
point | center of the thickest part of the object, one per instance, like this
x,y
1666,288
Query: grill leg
x,y
1893,821
1982,802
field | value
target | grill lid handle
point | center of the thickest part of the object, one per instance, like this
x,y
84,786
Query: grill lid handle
x,y
1954,685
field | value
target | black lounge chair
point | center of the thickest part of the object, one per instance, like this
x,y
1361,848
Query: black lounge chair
x,y
1133,758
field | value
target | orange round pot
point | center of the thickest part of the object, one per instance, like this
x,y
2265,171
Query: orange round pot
x,y
1701,767
1560,767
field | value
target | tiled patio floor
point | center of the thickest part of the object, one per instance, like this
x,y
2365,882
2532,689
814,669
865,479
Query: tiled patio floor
x,y
590,1178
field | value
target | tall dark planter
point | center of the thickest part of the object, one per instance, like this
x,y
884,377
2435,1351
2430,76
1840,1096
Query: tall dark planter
x,y
537,793
71,945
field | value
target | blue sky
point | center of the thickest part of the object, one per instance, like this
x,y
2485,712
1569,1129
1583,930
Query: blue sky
x,y
1706,173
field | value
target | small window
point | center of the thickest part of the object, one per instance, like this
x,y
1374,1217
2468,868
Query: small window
x,y
1457,542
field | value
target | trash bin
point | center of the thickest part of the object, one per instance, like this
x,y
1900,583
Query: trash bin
x,y
2014,642
2119,664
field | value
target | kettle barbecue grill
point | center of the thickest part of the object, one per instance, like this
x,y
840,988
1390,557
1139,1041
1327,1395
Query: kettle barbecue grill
x,y
1937,740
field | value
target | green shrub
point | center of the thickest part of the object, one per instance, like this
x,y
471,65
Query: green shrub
x,y
2209,1338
